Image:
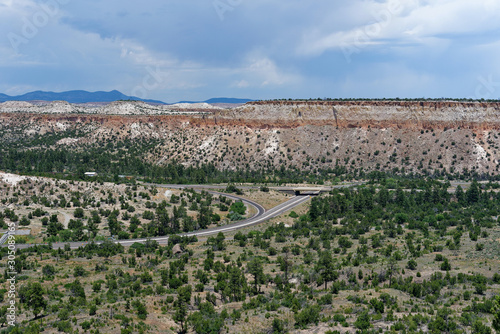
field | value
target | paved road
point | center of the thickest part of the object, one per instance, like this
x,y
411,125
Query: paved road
x,y
255,220
245,187
261,215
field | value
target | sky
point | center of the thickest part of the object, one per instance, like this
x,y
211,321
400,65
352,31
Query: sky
x,y
174,50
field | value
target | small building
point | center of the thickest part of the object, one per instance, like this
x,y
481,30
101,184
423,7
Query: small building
x,y
91,174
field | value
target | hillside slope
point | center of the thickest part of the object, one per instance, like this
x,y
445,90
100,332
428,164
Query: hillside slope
x,y
409,137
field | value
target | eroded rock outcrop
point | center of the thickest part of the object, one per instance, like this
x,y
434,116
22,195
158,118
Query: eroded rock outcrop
x,y
368,135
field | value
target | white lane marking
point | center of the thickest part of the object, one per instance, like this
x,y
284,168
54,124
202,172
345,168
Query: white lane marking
x,y
268,215
264,217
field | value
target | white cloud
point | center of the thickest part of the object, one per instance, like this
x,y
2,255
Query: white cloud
x,y
401,22
267,72
94,61
175,50
389,80
241,84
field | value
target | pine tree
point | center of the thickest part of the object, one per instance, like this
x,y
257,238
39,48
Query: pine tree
x,y
392,268
496,314
35,299
473,193
237,283
314,211
285,263
181,306
460,195
255,268
326,268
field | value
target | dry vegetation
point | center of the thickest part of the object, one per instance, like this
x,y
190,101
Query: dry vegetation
x,y
407,252
48,210
347,270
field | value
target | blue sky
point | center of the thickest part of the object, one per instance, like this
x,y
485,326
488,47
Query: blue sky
x,y
175,50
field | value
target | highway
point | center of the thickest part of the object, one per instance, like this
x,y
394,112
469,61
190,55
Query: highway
x,y
249,187
255,220
261,216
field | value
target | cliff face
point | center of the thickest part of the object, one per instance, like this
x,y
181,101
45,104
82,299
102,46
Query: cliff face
x,y
370,135
372,113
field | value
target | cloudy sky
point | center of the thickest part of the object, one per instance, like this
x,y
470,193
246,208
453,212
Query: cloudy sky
x,y
175,50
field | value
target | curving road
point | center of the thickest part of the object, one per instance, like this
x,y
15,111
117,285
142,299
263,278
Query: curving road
x,y
261,216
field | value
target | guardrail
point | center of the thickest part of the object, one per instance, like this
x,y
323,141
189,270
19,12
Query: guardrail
x,y
4,238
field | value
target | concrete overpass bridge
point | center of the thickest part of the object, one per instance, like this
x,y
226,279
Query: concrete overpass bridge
x,y
302,191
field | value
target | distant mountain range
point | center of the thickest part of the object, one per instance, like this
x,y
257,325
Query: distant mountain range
x,y
82,96
74,96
